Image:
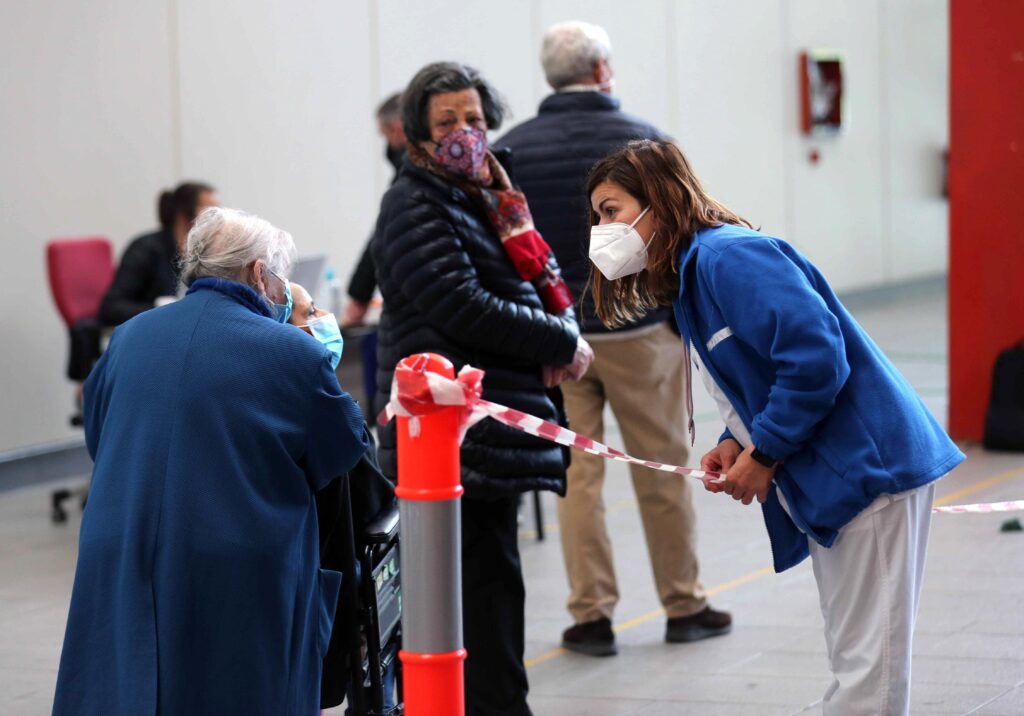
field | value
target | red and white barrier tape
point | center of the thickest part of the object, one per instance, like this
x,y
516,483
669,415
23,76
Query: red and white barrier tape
x,y
556,433
1011,506
416,392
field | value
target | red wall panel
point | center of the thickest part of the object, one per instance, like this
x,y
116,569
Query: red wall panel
x,y
986,200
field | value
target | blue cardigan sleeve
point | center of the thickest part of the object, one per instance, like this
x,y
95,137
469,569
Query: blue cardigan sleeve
x,y
771,305
337,435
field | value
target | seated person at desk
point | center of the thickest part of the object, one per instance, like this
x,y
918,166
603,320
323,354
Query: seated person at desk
x,y
149,266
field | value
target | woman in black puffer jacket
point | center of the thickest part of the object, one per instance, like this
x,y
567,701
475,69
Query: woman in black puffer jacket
x,y
463,274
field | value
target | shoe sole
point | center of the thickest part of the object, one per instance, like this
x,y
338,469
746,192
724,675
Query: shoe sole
x,y
695,633
608,649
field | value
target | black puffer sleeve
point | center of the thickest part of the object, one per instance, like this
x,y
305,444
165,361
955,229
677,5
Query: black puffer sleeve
x,y
429,264
364,281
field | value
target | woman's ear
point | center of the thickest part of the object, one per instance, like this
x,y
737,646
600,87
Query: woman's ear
x,y
258,277
603,73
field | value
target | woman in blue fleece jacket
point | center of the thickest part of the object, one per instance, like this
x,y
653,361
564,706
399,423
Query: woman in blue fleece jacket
x,y
820,427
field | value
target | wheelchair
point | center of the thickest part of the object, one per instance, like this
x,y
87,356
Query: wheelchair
x,y
368,623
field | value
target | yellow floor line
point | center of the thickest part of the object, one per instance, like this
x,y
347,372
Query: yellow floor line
x,y
739,582
544,657
1002,477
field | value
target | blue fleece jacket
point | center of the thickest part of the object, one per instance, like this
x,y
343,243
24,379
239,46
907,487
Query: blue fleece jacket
x,y
809,384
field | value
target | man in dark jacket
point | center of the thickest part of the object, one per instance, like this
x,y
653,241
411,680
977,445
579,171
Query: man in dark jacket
x,y
638,369
363,283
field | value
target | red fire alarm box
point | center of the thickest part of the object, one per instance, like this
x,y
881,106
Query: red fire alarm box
x,y
822,106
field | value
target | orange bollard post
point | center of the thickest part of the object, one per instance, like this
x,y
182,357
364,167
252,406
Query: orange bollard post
x,y
429,488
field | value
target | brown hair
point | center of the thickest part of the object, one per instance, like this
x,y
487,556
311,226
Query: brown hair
x,y
183,200
441,77
657,174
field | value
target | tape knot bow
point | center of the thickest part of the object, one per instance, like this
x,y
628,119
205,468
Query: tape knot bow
x,y
416,392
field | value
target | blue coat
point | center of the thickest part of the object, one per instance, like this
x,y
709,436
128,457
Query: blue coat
x,y
807,382
198,588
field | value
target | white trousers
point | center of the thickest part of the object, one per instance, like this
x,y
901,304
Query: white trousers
x,y
869,583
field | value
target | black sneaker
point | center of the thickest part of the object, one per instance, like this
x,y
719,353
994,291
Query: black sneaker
x,y
594,638
698,626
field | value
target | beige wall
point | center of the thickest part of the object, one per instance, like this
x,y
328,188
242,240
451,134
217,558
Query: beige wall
x,y
273,101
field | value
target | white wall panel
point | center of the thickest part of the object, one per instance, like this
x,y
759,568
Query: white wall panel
x,y
277,111
730,103
85,121
836,205
915,107
493,38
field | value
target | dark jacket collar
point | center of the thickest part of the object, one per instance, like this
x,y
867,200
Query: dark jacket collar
x,y
394,157
579,101
233,289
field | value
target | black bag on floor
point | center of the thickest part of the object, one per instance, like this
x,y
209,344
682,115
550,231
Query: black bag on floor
x,y
1004,422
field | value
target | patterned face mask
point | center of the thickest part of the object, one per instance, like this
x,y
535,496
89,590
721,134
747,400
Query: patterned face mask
x,y
464,152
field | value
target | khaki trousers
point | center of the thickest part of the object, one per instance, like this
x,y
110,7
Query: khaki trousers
x,y
641,378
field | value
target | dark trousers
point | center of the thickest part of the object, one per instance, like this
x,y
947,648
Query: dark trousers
x,y
493,599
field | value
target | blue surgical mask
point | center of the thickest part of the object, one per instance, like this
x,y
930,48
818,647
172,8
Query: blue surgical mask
x,y
325,329
283,311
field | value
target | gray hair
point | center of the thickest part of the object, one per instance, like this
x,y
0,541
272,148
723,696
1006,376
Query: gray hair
x,y
223,243
390,109
571,50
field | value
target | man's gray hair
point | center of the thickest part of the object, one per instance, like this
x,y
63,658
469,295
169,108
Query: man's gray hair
x,y
223,243
571,50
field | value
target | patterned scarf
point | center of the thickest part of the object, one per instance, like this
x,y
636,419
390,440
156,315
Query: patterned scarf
x,y
463,159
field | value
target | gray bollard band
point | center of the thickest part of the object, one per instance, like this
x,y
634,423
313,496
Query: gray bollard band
x,y
431,551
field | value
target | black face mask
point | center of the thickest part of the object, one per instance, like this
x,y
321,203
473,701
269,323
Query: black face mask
x,y
394,156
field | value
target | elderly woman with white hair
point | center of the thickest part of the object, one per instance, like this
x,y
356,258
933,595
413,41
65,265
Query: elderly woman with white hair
x,y
212,424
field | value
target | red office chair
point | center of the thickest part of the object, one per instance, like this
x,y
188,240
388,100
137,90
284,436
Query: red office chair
x,y
80,271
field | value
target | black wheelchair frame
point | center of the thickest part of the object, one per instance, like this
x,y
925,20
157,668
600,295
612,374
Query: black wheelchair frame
x,y
372,610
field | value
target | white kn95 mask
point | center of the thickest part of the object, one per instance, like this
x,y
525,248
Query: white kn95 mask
x,y
617,249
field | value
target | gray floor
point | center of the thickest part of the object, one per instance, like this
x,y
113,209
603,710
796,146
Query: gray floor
x,y
969,652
